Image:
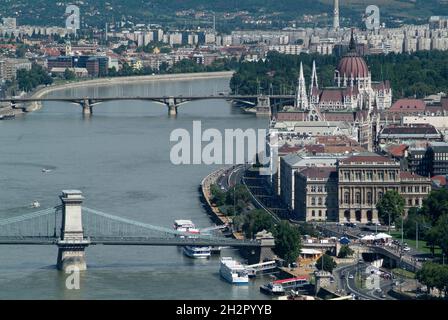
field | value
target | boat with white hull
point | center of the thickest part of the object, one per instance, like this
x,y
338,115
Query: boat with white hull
x,y
197,252
233,271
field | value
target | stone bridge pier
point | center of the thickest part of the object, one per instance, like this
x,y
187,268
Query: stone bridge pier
x,y
86,107
72,244
172,106
263,108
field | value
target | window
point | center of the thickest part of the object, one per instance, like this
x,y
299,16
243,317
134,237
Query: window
x,y
347,176
381,176
403,189
313,213
347,197
319,189
409,189
369,197
417,202
358,197
424,189
313,201
358,176
319,201
410,202
313,188
392,176
380,195
320,213
369,175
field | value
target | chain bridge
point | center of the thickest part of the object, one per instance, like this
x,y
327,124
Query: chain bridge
x,y
73,227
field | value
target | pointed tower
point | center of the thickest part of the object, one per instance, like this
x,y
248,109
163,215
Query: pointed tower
x,y
314,95
336,15
301,97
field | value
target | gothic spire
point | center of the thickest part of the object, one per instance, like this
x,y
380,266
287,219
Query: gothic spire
x,y
352,45
301,97
314,82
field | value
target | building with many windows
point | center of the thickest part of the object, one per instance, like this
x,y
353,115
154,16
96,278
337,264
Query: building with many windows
x,y
350,191
437,156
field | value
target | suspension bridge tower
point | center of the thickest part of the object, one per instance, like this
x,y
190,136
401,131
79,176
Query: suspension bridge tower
x,y
72,244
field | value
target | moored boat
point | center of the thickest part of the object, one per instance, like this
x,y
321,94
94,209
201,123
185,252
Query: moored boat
x,y
186,226
197,252
233,271
280,287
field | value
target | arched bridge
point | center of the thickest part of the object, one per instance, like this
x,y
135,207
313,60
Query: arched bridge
x,y
73,227
171,102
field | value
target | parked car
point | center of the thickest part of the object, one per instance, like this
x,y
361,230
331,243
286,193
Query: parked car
x,y
406,249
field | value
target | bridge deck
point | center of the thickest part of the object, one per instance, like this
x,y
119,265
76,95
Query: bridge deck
x,y
132,241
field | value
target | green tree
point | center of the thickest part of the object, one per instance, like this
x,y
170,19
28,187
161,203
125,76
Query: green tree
x,y
434,276
442,231
287,241
390,207
432,237
218,196
328,263
345,252
436,205
256,221
69,74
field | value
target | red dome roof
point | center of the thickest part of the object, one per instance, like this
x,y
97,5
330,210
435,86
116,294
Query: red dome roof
x,y
352,64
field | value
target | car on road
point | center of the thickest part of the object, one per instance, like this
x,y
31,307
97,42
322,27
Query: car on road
x,y
406,249
351,276
383,295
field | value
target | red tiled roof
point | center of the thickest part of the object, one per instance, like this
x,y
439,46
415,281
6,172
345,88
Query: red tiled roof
x,y
339,116
291,116
286,149
333,95
366,158
408,105
415,129
315,148
397,150
441,180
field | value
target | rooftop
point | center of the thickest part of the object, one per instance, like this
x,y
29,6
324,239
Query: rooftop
x,y
408,105
320,173
367,157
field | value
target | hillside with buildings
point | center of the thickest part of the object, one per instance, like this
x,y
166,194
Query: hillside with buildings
x,y
242,14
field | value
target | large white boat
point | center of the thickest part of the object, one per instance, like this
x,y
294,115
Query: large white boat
x,y
197,252
233,271
185,226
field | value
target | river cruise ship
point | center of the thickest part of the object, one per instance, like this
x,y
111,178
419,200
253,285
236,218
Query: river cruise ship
x,y
233,271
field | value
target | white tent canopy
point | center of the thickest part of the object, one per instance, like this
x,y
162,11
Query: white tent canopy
x,y
368,238
382,236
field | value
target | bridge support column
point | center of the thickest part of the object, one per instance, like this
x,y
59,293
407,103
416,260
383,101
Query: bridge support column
x,y
264,251
263,106
86,107
172,107
72,244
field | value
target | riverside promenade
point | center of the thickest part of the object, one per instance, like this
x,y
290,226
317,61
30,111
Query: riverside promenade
x,y
206,196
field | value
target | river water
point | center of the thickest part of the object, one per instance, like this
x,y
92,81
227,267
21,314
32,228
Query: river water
x,y
119,159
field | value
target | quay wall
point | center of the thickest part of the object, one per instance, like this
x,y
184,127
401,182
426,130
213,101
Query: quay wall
x,y
216,215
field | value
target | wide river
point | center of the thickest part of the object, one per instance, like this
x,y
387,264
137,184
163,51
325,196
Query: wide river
x,y
119,159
